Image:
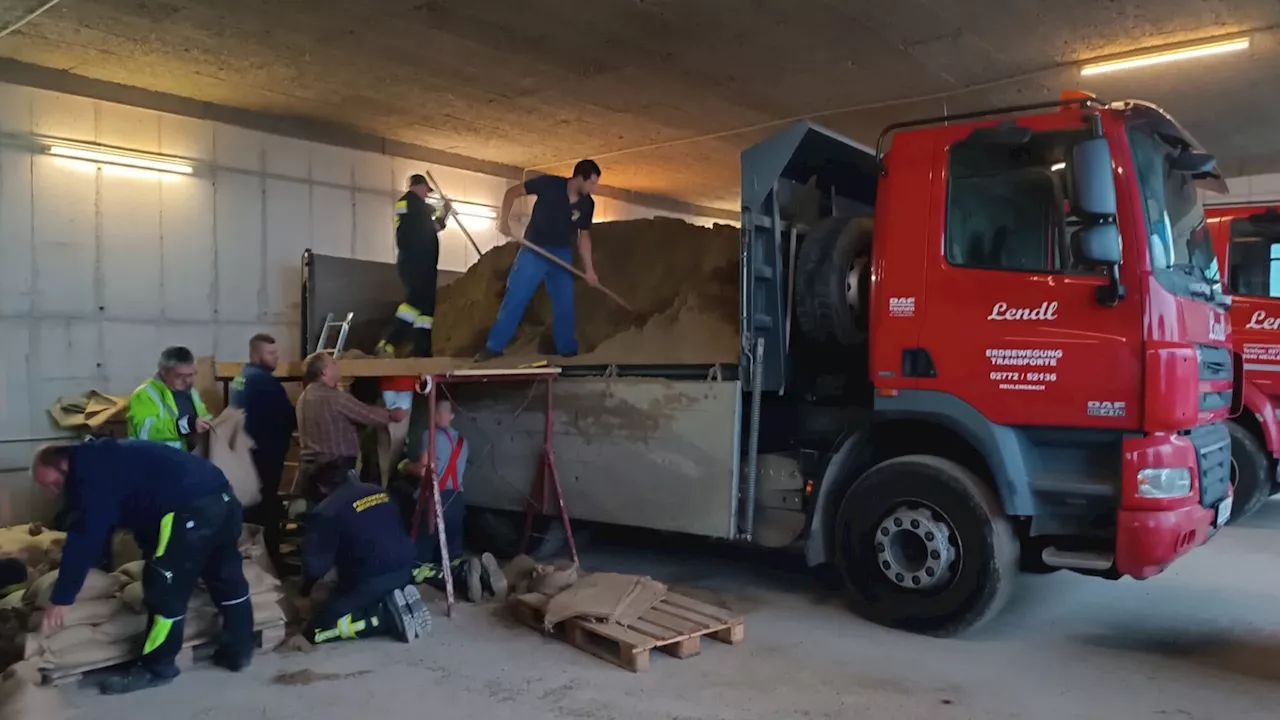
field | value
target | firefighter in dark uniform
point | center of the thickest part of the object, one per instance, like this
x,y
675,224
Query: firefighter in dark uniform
x,y
356,530
181,509
418,228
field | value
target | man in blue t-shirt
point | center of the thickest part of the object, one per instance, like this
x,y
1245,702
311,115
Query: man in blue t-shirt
x,y
561,216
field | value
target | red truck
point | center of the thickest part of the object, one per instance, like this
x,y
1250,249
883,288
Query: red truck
x,y
1246,240
951,367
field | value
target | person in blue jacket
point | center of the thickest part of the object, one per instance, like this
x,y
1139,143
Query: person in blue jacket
x,y
356,530
270,420
185,518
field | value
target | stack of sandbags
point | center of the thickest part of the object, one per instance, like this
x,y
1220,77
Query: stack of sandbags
x,y
108,620
37,548
564,591
96,627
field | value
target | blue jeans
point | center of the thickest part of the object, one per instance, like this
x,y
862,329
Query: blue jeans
x,y
527,272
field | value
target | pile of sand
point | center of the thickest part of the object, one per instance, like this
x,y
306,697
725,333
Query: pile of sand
x,y
681,280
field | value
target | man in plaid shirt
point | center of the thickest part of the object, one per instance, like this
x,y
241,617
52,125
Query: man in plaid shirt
x,y
328,419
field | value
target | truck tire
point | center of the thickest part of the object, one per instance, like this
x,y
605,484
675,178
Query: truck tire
x,y
833,280
1252,470
925,546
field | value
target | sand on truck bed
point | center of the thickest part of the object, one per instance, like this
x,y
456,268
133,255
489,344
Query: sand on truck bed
x,y
681,280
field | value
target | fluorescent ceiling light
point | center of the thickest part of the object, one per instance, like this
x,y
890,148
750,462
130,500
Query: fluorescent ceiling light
x,y
473,210
99,154
1163,56
1058,166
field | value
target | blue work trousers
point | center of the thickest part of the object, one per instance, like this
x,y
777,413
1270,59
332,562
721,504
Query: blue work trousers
x,y
527,272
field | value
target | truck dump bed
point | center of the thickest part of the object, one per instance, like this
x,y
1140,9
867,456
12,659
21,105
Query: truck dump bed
x,y
645,452
655,447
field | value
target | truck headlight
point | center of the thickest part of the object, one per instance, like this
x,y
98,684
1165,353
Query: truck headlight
x,y
1164,482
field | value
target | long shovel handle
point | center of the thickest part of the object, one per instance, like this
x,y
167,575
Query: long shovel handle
x,y
613,296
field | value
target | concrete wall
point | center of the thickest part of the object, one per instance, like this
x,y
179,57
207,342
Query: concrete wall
x,y
102,267
1247,189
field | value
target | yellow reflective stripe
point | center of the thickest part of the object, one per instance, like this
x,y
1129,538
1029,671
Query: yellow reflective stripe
x,y
402,207
166,531
325,635
424,321
160,628
407,312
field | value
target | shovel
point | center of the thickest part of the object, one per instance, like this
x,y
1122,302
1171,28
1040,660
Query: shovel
x,y
612,295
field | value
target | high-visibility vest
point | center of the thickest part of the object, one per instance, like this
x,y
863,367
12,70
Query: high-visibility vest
x,y
153,415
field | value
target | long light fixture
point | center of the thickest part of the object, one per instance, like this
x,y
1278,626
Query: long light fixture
x,y
111,156
1163,56
472,210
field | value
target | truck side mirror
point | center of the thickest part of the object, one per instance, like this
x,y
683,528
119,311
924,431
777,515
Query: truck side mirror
x,y
1095,190
1098,245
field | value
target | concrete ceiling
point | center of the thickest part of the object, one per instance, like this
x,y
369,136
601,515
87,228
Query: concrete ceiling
x,y
660,91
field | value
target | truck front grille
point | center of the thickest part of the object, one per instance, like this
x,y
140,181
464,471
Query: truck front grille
x,y
1215,362
1213,455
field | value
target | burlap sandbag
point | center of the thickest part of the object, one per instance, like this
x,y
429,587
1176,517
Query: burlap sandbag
x,y
229,446
97,585
267,610
260,580
89,612
14,600
123,626
67,639
22,699
132,597
90,653
550,580
200,602
605,596
201,625
132,570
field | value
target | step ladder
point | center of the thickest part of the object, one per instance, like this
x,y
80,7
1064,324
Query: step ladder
x,y
345,327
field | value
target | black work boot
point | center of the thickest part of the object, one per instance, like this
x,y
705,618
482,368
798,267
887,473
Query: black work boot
x,y
132,680
418,608
487,354
232,659
406,629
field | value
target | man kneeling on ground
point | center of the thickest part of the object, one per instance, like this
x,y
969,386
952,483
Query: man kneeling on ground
x,y
184,516
356,529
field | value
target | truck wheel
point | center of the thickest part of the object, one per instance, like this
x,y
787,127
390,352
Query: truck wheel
x,y
924,546
1252,472
833,273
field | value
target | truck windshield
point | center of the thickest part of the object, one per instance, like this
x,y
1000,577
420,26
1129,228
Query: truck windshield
x,y
1181,251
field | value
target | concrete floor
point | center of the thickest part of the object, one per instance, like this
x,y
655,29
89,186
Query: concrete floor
x,y
1201,641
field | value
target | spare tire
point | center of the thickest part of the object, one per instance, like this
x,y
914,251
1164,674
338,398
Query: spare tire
x,y
833,274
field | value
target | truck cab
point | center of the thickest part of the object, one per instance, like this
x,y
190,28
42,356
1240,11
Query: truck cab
x,y
1246,239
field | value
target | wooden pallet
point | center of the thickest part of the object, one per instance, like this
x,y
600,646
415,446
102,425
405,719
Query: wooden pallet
x,y
265,639
676,626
